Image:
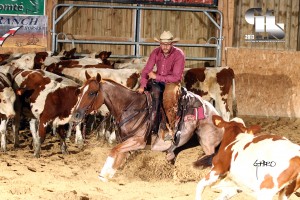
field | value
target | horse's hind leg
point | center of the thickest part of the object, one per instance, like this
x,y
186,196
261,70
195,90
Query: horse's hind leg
x,y
117,155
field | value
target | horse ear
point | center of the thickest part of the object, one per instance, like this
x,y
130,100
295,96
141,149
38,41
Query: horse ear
x,y
87,76
98,77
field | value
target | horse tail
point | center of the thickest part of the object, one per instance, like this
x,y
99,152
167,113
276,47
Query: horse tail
x,y
204,162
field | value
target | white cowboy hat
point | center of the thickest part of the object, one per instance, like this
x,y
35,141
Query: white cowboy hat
x,y
166,36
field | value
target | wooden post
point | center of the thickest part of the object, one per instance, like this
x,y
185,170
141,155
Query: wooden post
x,y
49,6
227,7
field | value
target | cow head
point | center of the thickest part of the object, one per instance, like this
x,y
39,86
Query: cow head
x,y
30,60
104,55
3,57
7,100
69,54
235,126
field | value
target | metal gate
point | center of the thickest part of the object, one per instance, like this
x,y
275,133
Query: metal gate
x,y
136,42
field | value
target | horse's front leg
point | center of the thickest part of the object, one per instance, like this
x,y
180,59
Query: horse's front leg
x,y
3,132
62,139
182,137
79,141
117,155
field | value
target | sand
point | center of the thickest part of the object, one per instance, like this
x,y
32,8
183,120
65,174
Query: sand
x,y
145,175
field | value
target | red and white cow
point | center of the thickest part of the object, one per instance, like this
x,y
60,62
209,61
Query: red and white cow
x,y
264,164
51,98
7,100
134,63
213,83
4,57
127,77
56,65
42,60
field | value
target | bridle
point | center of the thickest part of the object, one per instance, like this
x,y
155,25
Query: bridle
x,y
92,102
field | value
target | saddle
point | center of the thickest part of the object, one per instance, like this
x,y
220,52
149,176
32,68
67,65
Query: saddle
x,y
190,107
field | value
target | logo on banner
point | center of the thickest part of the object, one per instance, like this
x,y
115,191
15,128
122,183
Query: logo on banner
x,y
265,27
10,32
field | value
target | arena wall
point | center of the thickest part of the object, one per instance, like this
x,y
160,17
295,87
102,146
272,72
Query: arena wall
x,y
267,81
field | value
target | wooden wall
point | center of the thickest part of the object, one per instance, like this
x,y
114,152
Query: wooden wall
x,y
117,25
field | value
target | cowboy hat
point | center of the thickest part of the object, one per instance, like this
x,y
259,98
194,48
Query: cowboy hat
x,y
166,36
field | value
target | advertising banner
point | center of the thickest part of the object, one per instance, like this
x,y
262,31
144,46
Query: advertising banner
x,y
23,32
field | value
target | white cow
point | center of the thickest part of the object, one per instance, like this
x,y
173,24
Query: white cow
x,y
263,165
7,100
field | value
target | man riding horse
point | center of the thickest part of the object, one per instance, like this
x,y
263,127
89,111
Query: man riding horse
x,y
170,62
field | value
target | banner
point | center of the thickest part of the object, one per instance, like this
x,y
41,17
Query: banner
x,y
198,3
23,31
22,7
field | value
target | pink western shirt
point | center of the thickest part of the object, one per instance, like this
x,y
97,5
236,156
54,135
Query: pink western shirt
x,y
169,68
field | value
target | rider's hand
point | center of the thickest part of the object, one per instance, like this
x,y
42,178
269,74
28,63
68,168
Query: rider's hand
x,y
140,90
152,75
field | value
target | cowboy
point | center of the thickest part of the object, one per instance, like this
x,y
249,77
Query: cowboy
x,y
170,62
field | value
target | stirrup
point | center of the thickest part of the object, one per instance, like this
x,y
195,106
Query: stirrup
x,y
169,137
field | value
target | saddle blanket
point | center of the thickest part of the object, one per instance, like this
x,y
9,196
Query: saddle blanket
x,y
197,115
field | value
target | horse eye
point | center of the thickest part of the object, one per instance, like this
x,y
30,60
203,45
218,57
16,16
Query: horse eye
x,y
93,93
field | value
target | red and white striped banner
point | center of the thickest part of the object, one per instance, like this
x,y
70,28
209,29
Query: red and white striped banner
x,y
10,32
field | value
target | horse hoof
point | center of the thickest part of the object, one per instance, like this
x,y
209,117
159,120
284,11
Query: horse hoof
x,y
170,157
103,179
37,155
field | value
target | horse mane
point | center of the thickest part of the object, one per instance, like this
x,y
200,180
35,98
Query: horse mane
x,y
114,82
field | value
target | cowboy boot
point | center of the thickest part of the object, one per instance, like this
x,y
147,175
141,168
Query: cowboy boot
x,y
170,126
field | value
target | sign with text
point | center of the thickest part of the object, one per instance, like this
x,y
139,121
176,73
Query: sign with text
x,y
23,31
200,3
22,7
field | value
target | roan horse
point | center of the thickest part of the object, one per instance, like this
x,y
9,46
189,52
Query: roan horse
x,y
132,113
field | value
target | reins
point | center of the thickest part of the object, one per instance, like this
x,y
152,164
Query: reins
x,y
146,117
137,111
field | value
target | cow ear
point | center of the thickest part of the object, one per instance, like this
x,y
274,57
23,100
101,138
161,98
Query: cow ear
x,y
217,120
254,129
73,51
87,76
98,77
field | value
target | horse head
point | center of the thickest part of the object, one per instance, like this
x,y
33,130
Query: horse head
x,y
90,97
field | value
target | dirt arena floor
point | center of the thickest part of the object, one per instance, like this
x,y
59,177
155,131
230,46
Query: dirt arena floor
x,y
145,175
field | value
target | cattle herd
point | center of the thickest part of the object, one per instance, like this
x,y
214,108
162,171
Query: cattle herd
x,y
43,89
